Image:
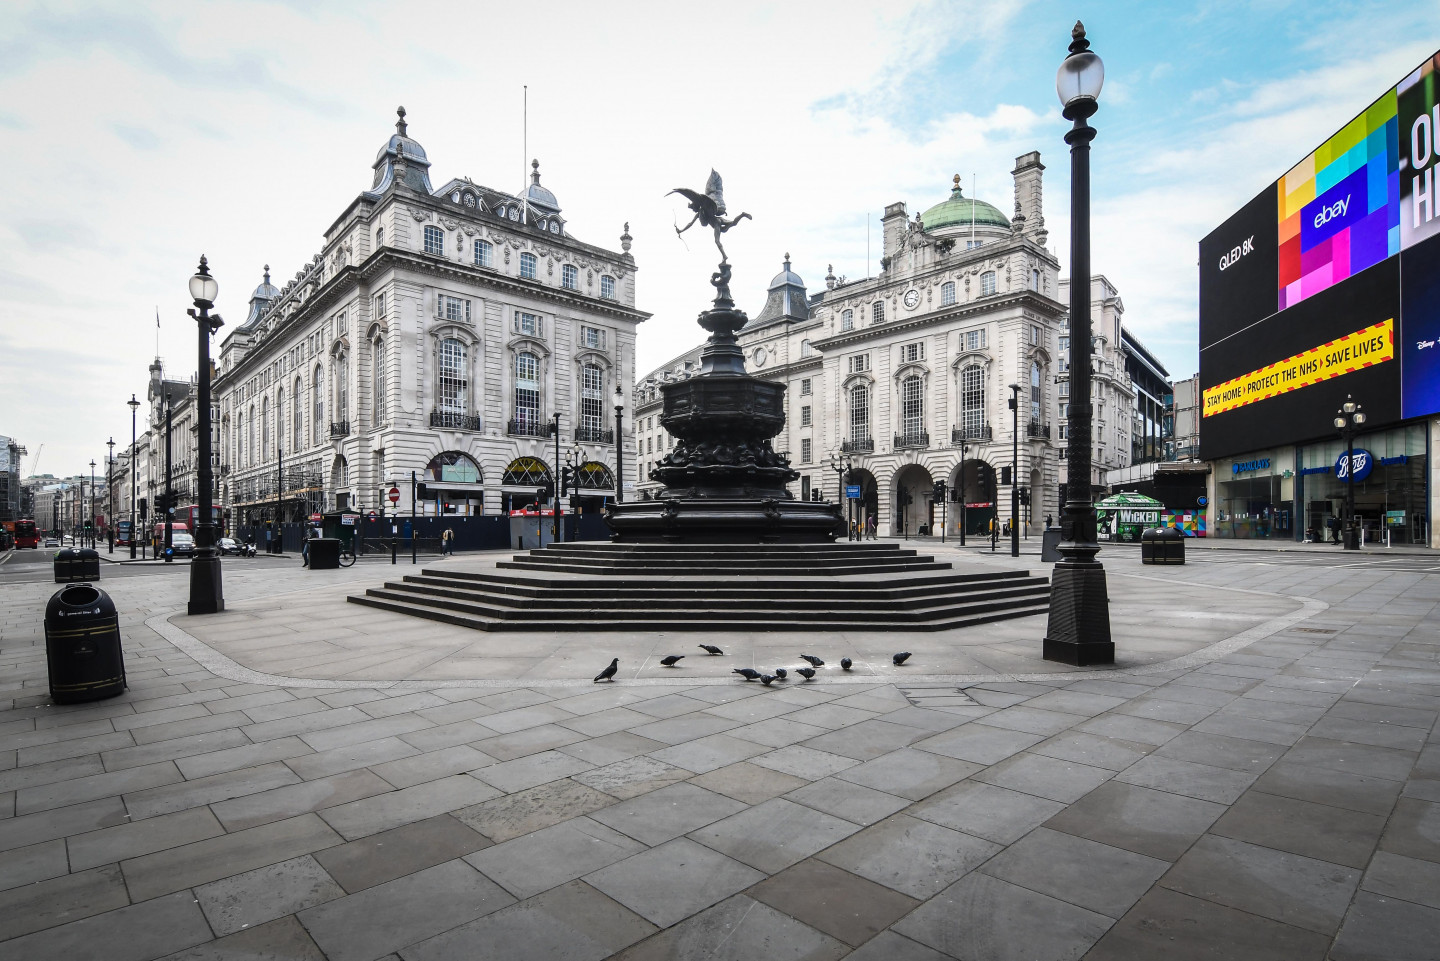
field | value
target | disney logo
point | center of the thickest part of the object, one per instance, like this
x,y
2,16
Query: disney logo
x,y
1422,344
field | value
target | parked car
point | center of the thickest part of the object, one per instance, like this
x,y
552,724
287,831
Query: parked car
x,y
183,544
229,545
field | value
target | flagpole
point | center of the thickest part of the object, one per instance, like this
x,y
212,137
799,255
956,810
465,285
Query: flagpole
x,y
524,150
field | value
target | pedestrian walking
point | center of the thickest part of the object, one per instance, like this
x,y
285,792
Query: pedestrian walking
x,y
447,542
305,547
870,527
1049,521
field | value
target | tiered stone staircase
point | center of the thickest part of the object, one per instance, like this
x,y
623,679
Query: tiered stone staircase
x,y
600,586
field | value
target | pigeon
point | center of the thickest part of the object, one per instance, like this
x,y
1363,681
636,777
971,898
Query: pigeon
x,y
814,661
750,674
900,658
845,663
766,679
609,673
671,659
711,649
805,672
780,672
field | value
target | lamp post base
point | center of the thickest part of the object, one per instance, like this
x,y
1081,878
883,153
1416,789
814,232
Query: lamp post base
x,y
206,596
1352,538
1078,632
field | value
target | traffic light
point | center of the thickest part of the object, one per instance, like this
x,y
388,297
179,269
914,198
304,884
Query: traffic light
x,y
567,479
541,497
422,492
144,509
939,491
1005,478
1025,496
903,498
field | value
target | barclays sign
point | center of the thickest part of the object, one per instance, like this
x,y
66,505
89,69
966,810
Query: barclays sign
x,y
1249,466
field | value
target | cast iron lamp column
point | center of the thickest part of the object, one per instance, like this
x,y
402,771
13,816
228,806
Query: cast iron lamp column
x,y
110,492
1348,420
1079,626
964,455
90,517
133,404
619,444
1015,470
206,593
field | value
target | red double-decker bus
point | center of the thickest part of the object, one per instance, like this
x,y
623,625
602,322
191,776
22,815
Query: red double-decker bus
x,y
26,535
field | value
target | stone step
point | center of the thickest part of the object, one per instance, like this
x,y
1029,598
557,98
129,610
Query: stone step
x,y
736,568
772,586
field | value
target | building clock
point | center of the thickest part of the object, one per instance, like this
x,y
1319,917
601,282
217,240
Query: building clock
x,y
912,298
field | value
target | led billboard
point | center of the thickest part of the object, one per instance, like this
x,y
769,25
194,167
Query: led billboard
x,y
1325,284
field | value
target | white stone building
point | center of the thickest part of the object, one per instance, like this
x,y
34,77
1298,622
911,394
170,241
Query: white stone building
x,y
907,376
439,331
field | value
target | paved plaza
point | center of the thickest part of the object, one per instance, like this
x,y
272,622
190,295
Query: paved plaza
x,y
1258,777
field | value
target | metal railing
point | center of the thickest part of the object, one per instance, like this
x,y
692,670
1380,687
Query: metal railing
x,y
594,435
340,429
863,445
913,439
527,428
959,435
1037,429
454,420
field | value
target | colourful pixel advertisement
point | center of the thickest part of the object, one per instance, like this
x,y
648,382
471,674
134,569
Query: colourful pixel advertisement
x,y
1339,208
1419,103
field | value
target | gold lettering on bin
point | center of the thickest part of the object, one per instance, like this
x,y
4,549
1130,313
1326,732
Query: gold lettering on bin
x,y
1364,348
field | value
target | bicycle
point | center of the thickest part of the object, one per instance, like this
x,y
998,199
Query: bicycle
x,y
347,556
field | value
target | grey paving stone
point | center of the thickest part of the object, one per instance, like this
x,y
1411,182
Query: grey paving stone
x,y
668,812
22,831
37,862
774,834
605,722
305,723
631,777
1252,728
400,851
389,916
889,946
830,716
135,838
420,768
281,940
1368,761
804,762
1237,754
1110,753
1283,887
68,897
76,790
129,722
1302,827
1395,876
708,753
264,894
248,755
736,929
1032,720
358,819
778,732
1154,823
669,883
552,856
751,710
508,722
447,735
1067,867
1383,714
294,707
208,790
1165,922
867,739
136,933
77,747
926,719
748,782
405,703
609,748
688,727
842,905
525,772
986,811
573,922
205,724
513,700
1267,710
1379,734
1129,728
284,802
350,758
909,773
35,775
531,740
978,743
512,815
984,917
844,799
1185,777
914,857
364,731
673,705
1166,709
1414,829
1045,777
1379,928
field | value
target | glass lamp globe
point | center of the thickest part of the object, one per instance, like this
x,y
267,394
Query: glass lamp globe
x,y
203,287
1080,77
1359,417
1339,423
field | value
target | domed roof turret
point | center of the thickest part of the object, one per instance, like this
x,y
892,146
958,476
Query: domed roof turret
x,y
260,301
962,211
538,196
402,159
785,300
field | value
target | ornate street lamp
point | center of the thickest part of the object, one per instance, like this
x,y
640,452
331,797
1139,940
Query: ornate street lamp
x,y
619,444
1079,625
133,404
1015,470
90,517
1348,419
207,595
110,491
844,467
964,455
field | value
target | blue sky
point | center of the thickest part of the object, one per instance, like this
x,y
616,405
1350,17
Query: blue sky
x,y
139,135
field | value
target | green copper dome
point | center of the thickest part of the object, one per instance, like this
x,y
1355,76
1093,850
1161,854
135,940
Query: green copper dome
x,y
959,210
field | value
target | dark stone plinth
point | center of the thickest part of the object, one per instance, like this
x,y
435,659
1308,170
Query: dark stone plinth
x,y
748,520
1078,632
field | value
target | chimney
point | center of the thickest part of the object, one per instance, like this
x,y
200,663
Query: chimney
x,y
892,232
1028,198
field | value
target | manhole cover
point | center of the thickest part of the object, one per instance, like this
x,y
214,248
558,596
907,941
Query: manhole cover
x,y
1313,630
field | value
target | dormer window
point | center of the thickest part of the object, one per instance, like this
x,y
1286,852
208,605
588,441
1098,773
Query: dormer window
x,y
527,266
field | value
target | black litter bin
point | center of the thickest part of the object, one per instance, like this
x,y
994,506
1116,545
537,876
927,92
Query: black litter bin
x,y
82,645
325,554
77,564
1162,545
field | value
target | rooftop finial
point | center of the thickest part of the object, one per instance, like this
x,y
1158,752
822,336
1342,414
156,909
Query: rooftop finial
x,y
400,124
625,238
534,171
1078,43
787,260
956,191
267,273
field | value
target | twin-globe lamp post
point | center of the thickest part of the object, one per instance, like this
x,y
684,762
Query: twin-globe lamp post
x,y
134,405
1349,419
110,492
1078,631
206,593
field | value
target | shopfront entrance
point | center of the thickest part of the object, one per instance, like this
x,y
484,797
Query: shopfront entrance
x,y
1255,496
1389,484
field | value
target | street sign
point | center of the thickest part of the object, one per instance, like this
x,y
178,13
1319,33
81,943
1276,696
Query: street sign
x,y
374,516
394,495
348,520
1395,518
317,518
852,492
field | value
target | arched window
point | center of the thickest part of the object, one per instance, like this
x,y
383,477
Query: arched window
x,y
1035,392
380,402
877,312
452,383
434,240
592,476
379,237
299,441
592,401
264,451
947,293
847,320
805,349
987,283
453,466
912,407
528,472
1034,280
317,388
607,287
972,401
527,266
527,393
342,388
570,277
484,253
250,440
239,439
279,416
860,414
